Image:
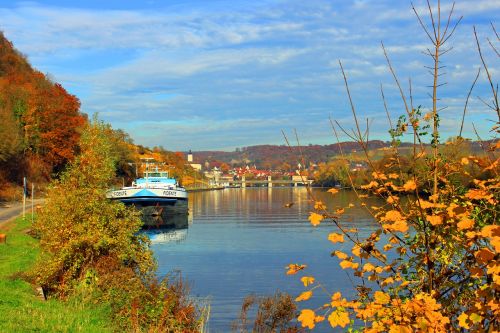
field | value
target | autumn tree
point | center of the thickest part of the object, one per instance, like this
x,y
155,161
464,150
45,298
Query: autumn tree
x,y
92,245
41,121
432,263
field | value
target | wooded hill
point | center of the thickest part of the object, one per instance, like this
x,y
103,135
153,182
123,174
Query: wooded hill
x,y
283,157
39,120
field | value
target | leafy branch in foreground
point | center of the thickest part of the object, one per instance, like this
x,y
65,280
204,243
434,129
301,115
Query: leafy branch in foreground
x,y
432,264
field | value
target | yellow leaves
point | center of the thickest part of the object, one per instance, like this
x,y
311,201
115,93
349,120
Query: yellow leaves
x,y
368,267
425,204
379,175
464,161
336,238
392,199
434,219
381,298
356,250
340,211
336,297
400,329
465,224
400,226
492,232
393,176
294,269
304,296
315,218
410,186
421,154
319,205
388,281
434,197
339,317
372,184
399,222
455,210
341,255
307,280
479,194
307,318
462,320
333,191
392,216
348,264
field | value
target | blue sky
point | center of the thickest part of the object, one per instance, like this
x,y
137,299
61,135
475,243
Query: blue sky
x,y
207,75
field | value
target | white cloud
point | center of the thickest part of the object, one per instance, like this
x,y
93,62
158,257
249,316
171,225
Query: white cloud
x,y
203,70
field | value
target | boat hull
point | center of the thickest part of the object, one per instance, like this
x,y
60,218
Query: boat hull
x,y
159,207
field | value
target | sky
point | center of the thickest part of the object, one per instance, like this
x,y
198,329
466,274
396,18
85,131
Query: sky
x,y
221,74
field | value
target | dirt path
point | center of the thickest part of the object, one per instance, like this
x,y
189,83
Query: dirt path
x,y
9,211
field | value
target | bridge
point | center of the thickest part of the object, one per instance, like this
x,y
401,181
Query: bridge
x,y
269,182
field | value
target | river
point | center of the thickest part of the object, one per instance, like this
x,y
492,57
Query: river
x,y
239,241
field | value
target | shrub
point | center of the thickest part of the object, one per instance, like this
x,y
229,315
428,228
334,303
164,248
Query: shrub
x,y
92,245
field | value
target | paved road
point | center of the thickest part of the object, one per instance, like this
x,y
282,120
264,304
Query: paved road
x,y
12,210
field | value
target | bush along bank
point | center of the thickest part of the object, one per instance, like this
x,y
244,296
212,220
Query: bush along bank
x,y
92,246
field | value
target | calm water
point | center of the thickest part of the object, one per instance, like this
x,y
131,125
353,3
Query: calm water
x,y
239,241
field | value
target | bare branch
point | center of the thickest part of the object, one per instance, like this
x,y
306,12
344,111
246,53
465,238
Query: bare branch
x,y
446,51
432,21
350,102
494,30
345,132
422,24
385,107
453,30
495,96
467,102
449,19
493,47
486,103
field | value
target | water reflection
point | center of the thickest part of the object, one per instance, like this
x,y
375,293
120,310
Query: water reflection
x,y
163,236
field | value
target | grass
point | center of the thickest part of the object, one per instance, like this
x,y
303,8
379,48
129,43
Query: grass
x,y
21,310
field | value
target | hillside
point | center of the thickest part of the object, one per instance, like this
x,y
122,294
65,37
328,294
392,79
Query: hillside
x,y
274,156
283,157
39,120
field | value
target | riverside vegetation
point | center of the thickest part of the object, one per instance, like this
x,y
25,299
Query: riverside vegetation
x,y
432,265
90,256
92,248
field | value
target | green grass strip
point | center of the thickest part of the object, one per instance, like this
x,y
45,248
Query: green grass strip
x,y
22,311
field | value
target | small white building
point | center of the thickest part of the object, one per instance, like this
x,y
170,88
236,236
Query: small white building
x,y
195,166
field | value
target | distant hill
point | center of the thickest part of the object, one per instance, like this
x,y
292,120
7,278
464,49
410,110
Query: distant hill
x,y
275,156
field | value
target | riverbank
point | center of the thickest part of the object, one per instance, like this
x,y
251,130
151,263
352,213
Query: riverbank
x,y
203,189
20,307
